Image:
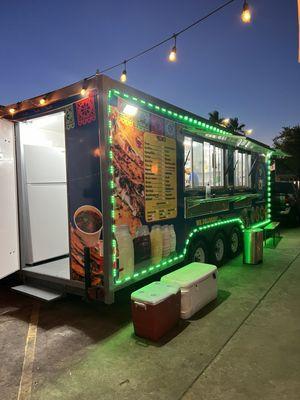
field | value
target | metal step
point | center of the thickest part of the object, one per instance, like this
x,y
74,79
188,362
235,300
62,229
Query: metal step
x,y
41,293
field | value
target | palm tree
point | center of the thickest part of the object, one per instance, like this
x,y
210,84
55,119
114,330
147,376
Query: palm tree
x,y
215,117
235,126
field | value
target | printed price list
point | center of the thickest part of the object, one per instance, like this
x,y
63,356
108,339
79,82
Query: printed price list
x,y
160,177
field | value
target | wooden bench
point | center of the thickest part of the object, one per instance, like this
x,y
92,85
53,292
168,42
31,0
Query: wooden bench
x,y
274,229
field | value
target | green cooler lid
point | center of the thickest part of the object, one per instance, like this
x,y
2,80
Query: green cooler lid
x,y
190,274
154,293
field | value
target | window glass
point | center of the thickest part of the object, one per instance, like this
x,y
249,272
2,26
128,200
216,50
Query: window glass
x,y
197,173
207,163
249,170
244,175
211,165
204,163
187,162
219,167
242,168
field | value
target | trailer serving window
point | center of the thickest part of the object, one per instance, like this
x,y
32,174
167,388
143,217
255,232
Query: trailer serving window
x,y
203,163
242,168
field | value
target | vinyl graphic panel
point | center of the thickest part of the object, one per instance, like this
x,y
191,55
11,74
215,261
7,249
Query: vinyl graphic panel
x,y
84,195
145,176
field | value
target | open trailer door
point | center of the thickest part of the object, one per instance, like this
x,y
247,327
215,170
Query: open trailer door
x,y
9,236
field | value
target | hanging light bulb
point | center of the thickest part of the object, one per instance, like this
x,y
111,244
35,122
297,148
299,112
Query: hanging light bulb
x,y
83,91
172,54
13,110
123,77
246,13
42,101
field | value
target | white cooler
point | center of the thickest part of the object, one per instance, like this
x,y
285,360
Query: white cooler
x,y
198,285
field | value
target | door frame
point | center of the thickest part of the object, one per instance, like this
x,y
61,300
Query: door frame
x,y
15,188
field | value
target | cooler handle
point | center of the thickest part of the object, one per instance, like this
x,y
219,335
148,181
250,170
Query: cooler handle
x,y
141,305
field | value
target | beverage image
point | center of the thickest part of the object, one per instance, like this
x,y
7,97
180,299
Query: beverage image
x,y
126,250
142,244
88,221
172,239
156,244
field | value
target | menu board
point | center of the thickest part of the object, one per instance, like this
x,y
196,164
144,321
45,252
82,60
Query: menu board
x,y
160,177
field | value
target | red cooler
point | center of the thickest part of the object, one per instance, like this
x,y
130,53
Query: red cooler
x,y
155,309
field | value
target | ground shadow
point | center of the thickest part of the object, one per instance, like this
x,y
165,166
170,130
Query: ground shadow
x,y
97,321
222,296
271,243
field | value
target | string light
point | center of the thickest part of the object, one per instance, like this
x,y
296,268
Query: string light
x,y
173,52
248,131
123,77
83,91
246,13
245,16
43,101
13,110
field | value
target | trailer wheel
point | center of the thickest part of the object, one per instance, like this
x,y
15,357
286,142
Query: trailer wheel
x,y
218,249
198,252
235,241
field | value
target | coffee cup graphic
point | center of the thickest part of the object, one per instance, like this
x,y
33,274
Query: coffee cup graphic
x,y
88,222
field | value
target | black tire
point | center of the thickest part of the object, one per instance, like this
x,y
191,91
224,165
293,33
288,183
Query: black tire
x,y
218,249
234,242
198,252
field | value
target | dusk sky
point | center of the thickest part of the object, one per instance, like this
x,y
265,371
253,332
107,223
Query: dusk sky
x,y
250,72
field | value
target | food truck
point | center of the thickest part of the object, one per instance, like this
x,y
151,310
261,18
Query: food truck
x,y
102,178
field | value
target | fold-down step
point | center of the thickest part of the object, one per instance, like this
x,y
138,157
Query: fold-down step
x,y
44,294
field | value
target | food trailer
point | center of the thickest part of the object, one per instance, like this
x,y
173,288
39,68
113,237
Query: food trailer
x,y
140,183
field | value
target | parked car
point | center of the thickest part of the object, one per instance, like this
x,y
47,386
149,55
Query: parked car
x,y
286,202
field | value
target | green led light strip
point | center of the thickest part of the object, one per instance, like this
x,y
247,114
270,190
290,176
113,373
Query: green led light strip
x,y
111,187
169,261
187,119
269,185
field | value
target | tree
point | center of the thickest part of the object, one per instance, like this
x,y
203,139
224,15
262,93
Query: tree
x,y
288,141
235,126
215,117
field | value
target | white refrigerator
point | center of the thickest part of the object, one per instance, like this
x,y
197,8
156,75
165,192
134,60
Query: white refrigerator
x,y
47,212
